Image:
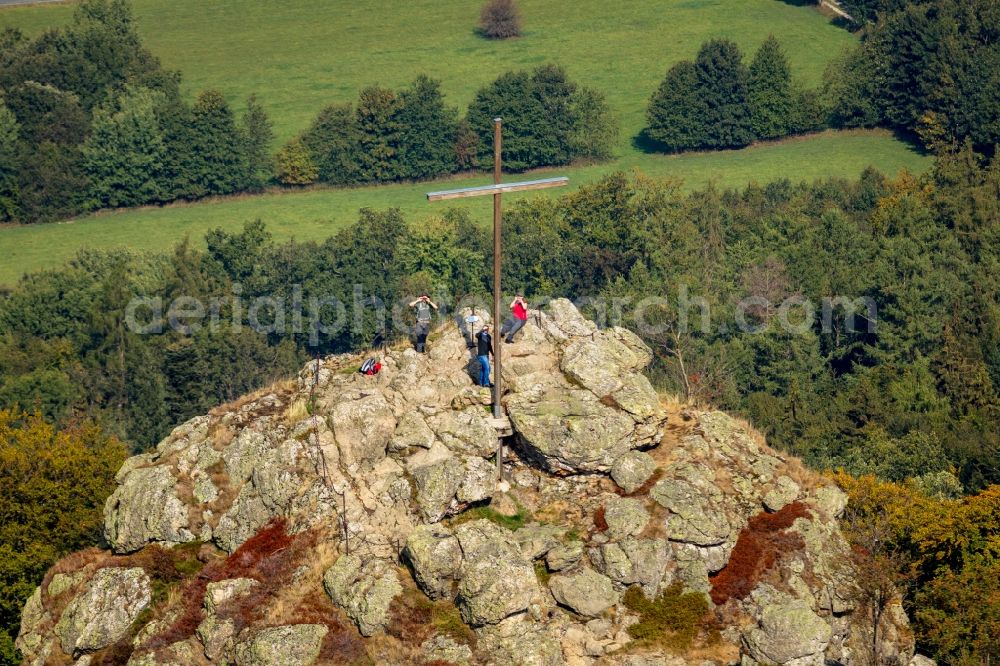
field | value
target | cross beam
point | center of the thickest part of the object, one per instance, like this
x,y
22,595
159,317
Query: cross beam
x,y
501,188
496,190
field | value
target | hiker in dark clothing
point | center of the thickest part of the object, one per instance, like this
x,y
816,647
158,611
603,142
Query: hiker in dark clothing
x,y
484,342
423,306
519,308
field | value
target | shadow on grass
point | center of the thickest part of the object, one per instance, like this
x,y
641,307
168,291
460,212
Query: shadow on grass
x,y
644,144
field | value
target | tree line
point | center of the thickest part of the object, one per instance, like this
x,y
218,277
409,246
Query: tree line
x,y
89,119
412,134
717,101
927,67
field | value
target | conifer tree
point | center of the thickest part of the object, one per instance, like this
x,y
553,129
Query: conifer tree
x,y
724,87
219,164
676,113
771,101
257,132
333,143
123,156
380,133
427,131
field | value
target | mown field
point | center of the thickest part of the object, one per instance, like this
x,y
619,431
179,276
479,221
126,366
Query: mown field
x,y
299,55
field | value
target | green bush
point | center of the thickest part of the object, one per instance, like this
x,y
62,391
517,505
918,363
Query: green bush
x,y
672,619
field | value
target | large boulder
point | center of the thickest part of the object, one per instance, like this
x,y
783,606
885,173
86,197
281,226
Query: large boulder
x,y
605,365
363,429
145,508
632,470
364,589
436,558
291,645
497,580
698,513
568,429
437,483
625,517
104,610
521,640
586,591
788,632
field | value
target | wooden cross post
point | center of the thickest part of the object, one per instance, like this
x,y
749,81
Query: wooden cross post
x,y
497,189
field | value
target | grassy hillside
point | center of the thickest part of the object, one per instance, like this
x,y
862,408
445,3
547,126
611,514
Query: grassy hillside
x,y
299,55
317,213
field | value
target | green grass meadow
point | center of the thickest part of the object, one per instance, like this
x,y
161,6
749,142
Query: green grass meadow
x,y
299,55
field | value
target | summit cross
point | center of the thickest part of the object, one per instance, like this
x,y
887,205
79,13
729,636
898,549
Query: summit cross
x,y
497,189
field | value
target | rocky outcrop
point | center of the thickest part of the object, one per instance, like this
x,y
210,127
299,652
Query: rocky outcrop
x,y
496,579
296,645
364,589
104,610
317,500
586,591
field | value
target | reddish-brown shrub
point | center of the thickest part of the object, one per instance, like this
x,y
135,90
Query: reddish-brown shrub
x,y
254,559
646,486
760,545
600,522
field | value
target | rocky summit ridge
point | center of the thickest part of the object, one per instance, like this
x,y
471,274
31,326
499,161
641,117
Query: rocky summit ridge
x,y
342,518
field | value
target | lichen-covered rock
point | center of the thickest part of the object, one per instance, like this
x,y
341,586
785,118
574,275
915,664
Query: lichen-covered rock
x,y
497,580
605,365
625,517
520,640
696,504
145,508
363,429
411,431
633,469
217,635
569,429
785,492
35,646
377,461
364,589
634,561
788,632
290,645
466,432
478,481
586,591
443,648
62,582
436,558
535,540
102,612
181,653
217,594
437,484
564,555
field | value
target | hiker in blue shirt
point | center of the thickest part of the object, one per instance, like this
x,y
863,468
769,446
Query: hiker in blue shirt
x,y
484,349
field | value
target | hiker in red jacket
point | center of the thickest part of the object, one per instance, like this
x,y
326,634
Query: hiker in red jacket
x,y
520,310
